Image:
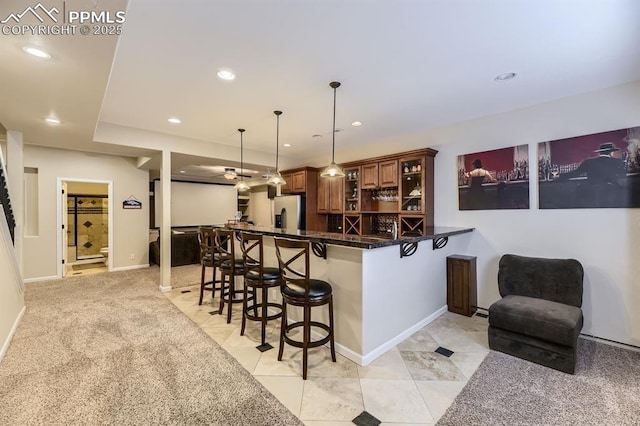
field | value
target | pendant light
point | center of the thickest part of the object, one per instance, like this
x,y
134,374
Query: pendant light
x,y
242,185
333,170
276,178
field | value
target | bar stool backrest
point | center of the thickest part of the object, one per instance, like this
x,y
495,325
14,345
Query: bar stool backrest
x,y
224,244
252,252
206,238
291,260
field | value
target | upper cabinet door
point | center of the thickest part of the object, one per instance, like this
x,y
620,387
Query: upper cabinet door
x,y
336,194
287,186
323,195
299,182
388,173
369,178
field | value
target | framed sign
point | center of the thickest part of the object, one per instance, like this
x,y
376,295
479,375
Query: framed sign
x,y
132,203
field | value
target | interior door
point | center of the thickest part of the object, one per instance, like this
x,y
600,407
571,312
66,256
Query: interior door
x,y
65,229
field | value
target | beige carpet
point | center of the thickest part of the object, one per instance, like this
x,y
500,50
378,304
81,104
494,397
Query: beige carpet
x,y
109,349
184,276
509,391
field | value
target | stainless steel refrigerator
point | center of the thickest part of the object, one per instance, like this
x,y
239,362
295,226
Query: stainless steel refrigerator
x,y
289,212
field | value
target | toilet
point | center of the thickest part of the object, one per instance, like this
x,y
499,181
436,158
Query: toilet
x,y
105,252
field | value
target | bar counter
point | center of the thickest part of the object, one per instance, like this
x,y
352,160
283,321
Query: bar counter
x,y
384,289
355,241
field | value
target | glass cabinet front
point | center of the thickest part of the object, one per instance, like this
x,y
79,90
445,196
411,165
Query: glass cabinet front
x,y
352,190
412,184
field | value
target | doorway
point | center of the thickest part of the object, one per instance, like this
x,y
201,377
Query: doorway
x,y
85,218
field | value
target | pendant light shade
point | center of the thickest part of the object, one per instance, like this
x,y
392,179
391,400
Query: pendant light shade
x,y
333,170
277,178
242,185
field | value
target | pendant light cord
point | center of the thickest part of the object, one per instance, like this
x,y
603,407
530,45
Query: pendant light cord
x,y
333,144
277,137
241,155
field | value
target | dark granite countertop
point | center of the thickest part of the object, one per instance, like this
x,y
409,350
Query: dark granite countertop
x,y
363,242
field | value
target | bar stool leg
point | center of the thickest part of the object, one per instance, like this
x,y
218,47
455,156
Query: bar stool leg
x,y
305,339
244,309
264,312
222,287
202,284
213,280
232,295
283,327
333,348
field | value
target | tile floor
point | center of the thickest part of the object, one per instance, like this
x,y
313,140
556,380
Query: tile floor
x,y
409,385
85,269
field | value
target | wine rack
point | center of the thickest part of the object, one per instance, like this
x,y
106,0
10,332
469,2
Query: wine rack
x,y
382,224
412,225
353,225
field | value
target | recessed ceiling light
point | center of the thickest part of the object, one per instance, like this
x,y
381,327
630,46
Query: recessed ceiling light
x,y
174,120
316,136
287,145
505,76
36,52
52,120
182,171
226,74
356,124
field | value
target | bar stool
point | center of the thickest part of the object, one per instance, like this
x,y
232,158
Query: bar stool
x,y
230,267
301,290
208,259
256,277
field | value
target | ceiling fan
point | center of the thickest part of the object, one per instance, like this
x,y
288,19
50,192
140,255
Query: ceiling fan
x,y
267,175
215,172
230,173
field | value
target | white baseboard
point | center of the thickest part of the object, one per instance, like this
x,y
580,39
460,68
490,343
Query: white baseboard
x,y
165,289
33,280
129,268
366,359
391,343
5,344
610,342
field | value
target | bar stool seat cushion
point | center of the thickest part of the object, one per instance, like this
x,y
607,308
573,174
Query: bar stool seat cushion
x,y
238,264
317,289
270,274
206,259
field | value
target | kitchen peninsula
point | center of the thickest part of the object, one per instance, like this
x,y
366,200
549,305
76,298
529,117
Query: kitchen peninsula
x,y
385,289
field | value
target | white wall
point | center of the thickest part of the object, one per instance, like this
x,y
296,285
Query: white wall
x,y
260,207
130,227
605,241
11,294
196,204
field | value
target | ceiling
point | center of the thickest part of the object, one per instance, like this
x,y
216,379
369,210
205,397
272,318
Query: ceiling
x,y
405,66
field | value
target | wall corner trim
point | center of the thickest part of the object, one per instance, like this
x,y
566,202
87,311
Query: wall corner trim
x,y
5,344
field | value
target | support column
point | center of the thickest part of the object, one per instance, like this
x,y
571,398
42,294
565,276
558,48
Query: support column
x,y
165,225
15,178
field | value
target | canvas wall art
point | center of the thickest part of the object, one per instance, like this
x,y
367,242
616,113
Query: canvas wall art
x,y
601,170
497,179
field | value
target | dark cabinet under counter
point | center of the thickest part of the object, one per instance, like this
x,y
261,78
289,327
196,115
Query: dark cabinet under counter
x,y
462,293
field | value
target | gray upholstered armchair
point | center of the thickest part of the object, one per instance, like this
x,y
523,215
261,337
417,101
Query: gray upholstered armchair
x,y
539,316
